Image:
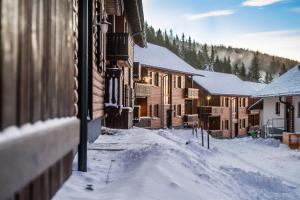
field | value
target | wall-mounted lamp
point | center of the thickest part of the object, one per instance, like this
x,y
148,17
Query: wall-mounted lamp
x,y
147,79
103,24
208,97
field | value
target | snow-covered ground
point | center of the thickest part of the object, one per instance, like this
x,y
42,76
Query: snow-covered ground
x,y
141,164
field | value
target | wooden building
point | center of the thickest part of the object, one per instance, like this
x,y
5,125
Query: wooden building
x,y
126,29
223,104
53,72
162,94
38,96
281,105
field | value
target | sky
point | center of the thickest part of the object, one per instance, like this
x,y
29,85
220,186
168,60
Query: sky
x,y
270,26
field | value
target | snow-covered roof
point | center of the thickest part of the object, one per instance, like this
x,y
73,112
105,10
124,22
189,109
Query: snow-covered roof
x,y
162,58
286,85
214,82
226,84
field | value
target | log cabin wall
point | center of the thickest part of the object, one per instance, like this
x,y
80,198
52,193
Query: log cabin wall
x,y
97,68
38,76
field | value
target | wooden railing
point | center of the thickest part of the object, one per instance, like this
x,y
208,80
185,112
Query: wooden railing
x,y
191,93
145,122
210,110
142,90
119,46
190,119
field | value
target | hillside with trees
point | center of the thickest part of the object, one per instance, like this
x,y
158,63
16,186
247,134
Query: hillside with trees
x,y
247,64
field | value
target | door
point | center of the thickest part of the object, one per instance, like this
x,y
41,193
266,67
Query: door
x,y
236,129
169,118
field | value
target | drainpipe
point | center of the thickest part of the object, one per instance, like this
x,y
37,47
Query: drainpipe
x,y
83,82
292,108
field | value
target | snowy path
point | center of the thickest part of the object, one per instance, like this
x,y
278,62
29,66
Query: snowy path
x,y
141,164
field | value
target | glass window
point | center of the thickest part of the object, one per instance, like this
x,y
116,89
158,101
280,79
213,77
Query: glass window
x,y
277,108
179,110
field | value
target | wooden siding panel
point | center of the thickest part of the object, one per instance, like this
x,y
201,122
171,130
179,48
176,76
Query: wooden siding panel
x,y
8,62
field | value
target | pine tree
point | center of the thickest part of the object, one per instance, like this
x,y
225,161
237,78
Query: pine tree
x,y
212,54
166,40
159,38
282,69
205,54
268,77
217,65
236,70
243,72
273,66
254,74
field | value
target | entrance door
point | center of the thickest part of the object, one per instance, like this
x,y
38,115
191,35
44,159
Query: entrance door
x,y
236,129
169,118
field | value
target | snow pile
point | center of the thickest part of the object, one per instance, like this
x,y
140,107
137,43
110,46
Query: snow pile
x,y
142,164
269,142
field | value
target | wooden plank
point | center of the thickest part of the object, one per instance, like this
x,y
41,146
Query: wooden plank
x,y
8,62
35,152
37,54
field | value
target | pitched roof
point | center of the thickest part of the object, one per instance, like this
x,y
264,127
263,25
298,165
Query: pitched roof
x,y
160,57
214,82
286,85
226,84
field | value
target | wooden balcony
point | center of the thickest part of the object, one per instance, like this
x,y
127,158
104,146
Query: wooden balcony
x,y
142,90
210,110
119,47
145,122
190,119
191,93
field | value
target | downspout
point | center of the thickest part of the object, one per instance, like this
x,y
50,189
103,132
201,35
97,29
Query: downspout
x,y
83,54
292,108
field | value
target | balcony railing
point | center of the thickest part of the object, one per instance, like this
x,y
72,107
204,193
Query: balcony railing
x,y
191,93
210,110
119,46
142,90
190,119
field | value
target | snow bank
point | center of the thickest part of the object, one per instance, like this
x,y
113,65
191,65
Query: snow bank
x,y
171,164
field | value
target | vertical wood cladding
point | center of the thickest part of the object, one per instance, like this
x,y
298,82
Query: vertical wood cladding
x,y
38,81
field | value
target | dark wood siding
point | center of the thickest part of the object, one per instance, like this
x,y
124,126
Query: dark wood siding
x,y
38,75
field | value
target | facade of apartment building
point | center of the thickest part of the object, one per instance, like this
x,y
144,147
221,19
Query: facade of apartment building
x,y
281,104
55,70
223,104
161,89
125,30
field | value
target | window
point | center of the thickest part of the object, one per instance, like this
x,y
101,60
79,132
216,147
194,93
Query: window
x,y
222,125
179,82
151,78
240,122
244,102
298,109
156,79
156,111
244,123
226,124
151,111
179,110
175,81
226,102
277,108
174,107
